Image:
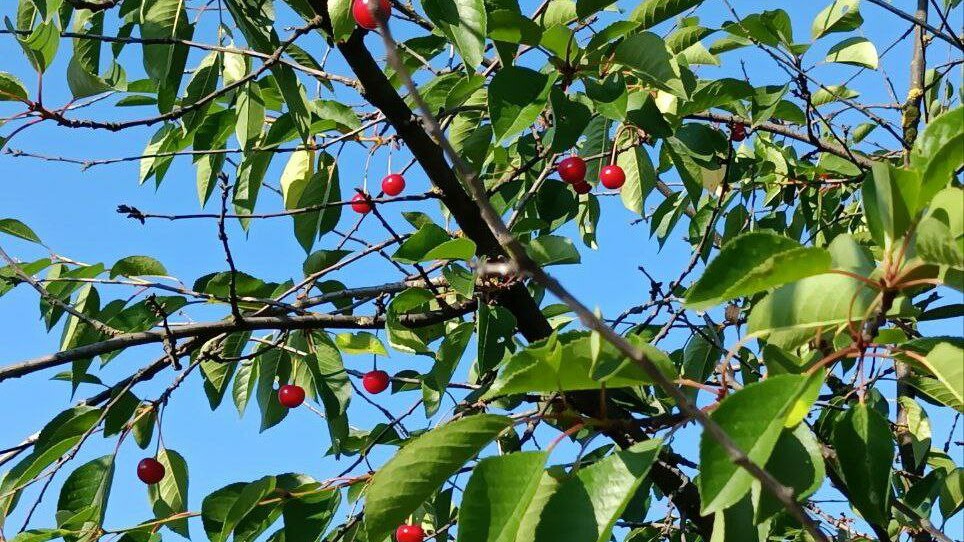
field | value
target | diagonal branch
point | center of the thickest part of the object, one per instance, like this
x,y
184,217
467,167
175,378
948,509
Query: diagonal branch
x,y
210,329
526,265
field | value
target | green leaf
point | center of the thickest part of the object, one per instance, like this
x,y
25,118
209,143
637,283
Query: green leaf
x,y
640,178
736,523
322,259
14,227
362,342
587,505
83,497
753,418
512,27
307,516
415,248
203,82
805,304
496,326
223,510
936,244
839,16
41,535
462,248
649,58
11,89
169,496
952,493
652,12
40,46
250,108
516,97
552,250
570,119
865,452
296,176
245,380
497,496
571,362
137,266
418,469
400,337
944,361
752,263
217,374
918,430
832,93
938,153
889,200
854,51
463,22
342,21
450,352
796,462
82,83
164,62
55,439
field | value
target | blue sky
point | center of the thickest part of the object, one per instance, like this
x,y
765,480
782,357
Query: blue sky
x,y
73,211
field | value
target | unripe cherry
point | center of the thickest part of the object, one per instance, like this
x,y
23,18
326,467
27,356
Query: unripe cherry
x,y
360,204
612,176
369,13
393,184
572,169
150,471
409,533
291,395
375,381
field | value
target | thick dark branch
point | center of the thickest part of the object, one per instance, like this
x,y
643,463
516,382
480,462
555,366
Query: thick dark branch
x,y
380,93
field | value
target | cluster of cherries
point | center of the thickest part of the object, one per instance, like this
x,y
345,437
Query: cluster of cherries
x,y
151,471
392,185
573,171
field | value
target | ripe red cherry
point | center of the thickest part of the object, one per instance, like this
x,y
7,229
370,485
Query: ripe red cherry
x,y
582,187
572,169
150,471
360,204
612,176
393,184
369,13
291,396
738,132
409,533
375,381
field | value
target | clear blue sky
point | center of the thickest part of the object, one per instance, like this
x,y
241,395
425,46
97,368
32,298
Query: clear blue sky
x,y
73,211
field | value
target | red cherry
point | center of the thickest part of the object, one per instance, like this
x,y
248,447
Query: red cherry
x,y
409,533
393,184
291,396
582,187
572,169
360,204
738,132
612,176
369,13
150,471
375,381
